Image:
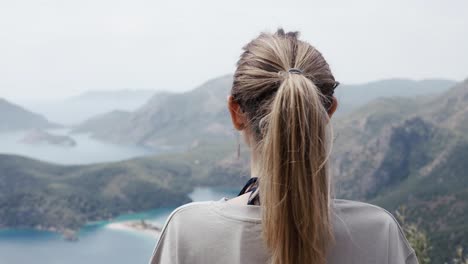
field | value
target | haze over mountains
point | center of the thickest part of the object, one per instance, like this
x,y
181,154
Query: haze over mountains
x,y
77,109
352,97
93,109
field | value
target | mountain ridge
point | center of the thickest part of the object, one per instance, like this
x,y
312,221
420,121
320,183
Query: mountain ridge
x,y
157,122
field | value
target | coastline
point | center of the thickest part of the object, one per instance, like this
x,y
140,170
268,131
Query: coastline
x,y
128,222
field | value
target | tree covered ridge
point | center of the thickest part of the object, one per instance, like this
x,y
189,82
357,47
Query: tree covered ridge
x,y
40,195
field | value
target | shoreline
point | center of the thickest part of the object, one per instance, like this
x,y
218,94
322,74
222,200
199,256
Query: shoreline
x,y
133,226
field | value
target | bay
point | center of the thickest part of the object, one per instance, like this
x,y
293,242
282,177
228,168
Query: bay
x,y
87,150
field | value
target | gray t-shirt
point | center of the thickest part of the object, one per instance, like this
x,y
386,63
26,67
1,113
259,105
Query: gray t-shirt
x,y
221,232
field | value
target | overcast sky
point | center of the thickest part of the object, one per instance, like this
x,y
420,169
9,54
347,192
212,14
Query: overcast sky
x,y
52,49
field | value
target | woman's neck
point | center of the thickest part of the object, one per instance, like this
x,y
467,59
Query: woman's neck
x,y
254,166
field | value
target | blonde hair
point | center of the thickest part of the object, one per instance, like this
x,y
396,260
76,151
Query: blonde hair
x,y
288,117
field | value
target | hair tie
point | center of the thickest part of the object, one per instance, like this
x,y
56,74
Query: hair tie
x,y
295,71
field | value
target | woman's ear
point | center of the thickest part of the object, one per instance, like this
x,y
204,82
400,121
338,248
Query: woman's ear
x,y
333,107
238,118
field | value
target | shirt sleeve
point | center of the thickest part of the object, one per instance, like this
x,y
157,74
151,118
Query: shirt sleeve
x,y
165,251
175,245
400,251
412,259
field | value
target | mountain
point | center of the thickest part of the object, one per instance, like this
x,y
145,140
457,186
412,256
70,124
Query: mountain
x,y
451,109
79,108
14,117
171,119
368,130
410,152
201,115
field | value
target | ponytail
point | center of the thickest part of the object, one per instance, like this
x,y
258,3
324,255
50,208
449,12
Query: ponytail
x,y
284,86
294,183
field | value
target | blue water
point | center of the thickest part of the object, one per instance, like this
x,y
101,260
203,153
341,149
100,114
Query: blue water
x,y
96,244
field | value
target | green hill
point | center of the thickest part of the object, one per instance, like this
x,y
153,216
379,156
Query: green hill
x,y
39,195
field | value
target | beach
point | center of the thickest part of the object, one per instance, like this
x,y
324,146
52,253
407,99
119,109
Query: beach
x,y
136,226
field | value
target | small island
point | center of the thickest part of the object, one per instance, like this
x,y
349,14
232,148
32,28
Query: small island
x,y
38,136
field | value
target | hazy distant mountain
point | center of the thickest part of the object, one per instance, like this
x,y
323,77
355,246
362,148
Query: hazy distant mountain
x,y
77,109
352,97
127,96
201,114
14,117
104,124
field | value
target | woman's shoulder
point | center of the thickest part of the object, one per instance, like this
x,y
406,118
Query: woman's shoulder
x,y
354,213
363,213
190,211
372,228
351,205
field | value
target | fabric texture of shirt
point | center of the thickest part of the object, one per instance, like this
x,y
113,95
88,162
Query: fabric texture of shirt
x,y
221,232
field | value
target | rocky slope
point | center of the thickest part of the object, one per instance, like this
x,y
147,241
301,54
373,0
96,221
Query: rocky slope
x,y
410,153
170,119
